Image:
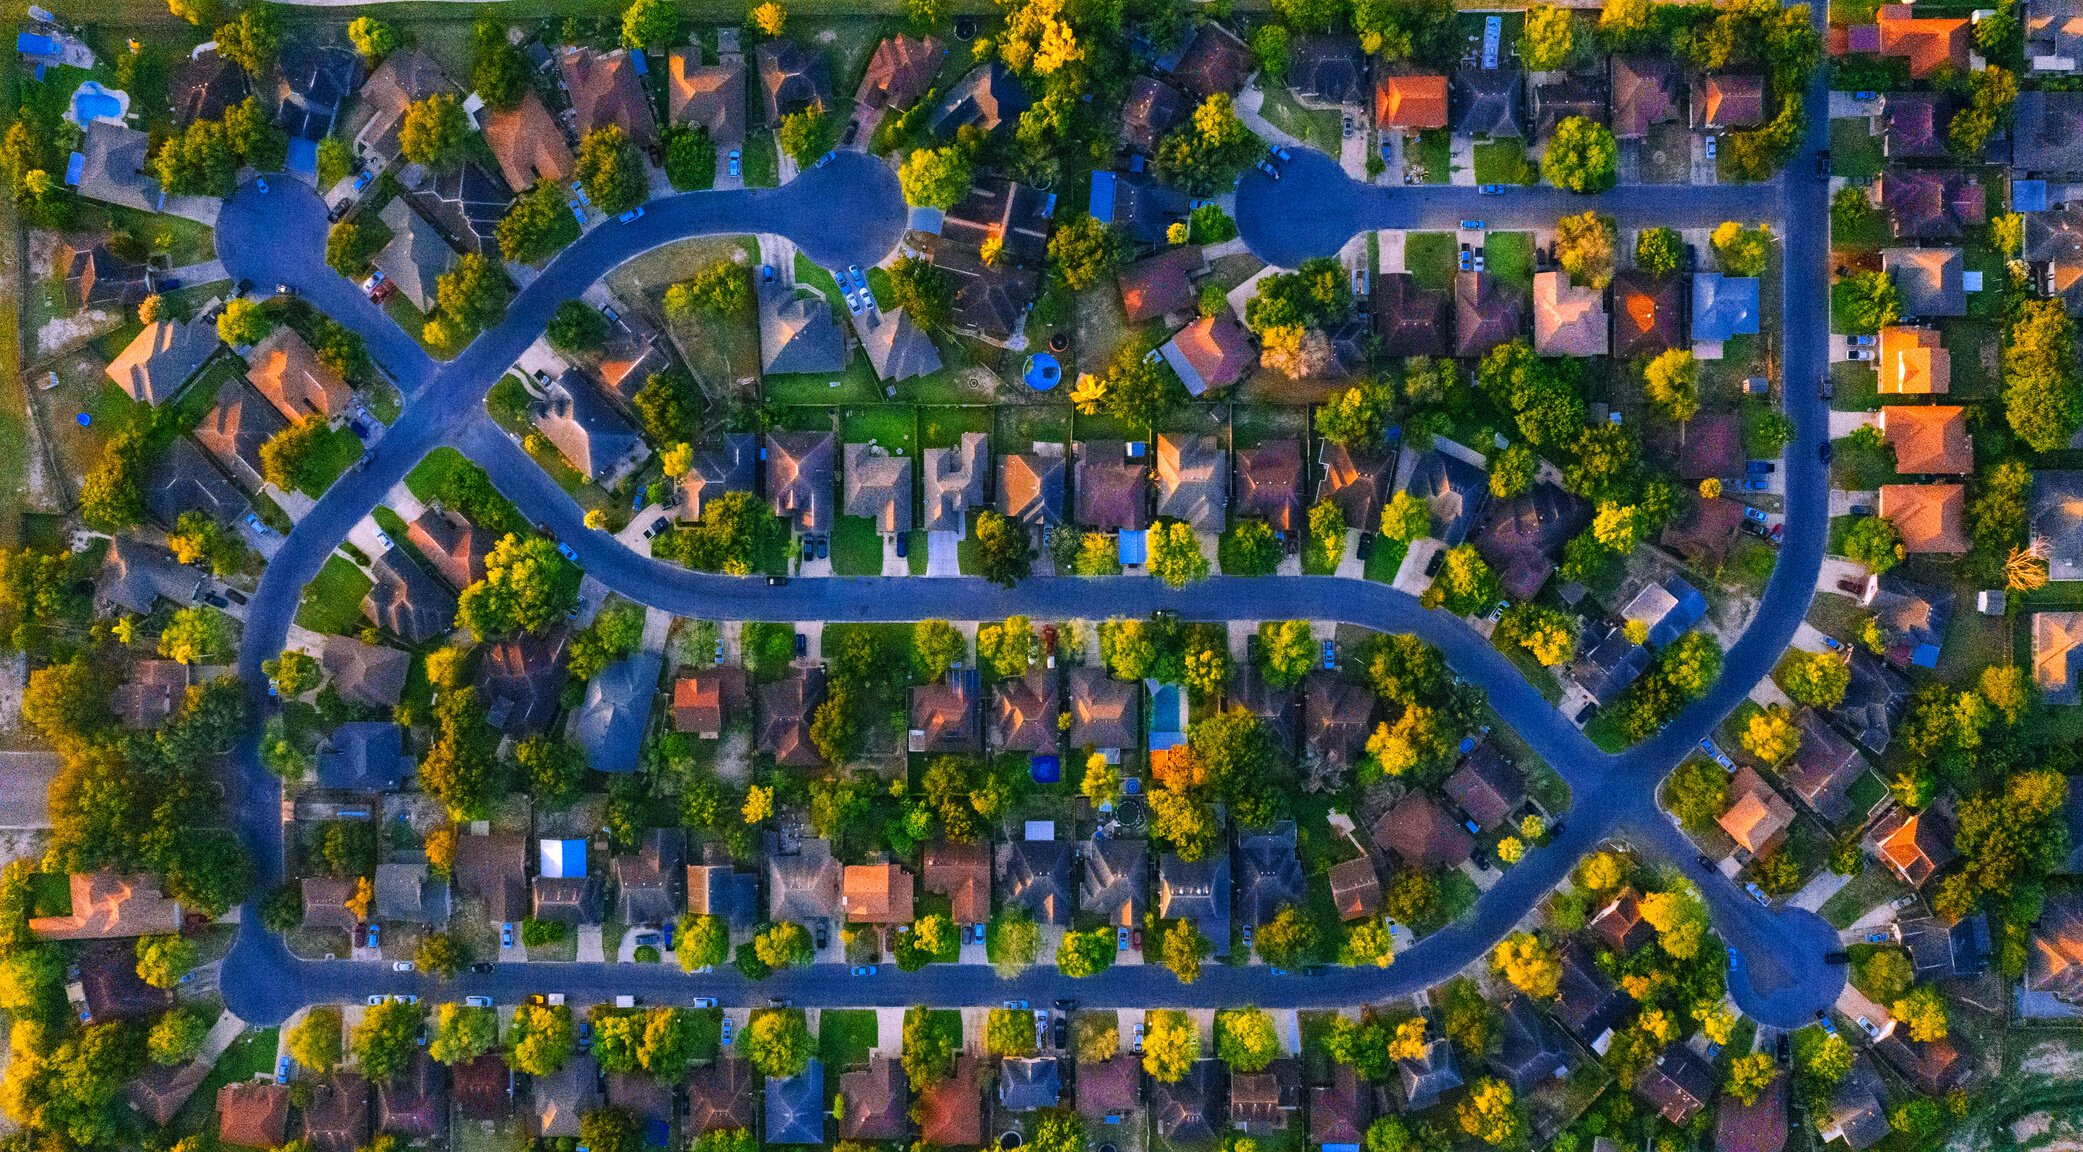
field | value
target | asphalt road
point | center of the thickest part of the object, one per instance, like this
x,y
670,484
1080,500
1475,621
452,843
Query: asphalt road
x,y
1777,973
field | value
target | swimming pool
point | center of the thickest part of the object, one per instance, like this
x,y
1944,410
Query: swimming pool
x,y
91,102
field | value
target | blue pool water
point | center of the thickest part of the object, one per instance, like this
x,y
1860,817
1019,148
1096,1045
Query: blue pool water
x,y
1042,372
89,106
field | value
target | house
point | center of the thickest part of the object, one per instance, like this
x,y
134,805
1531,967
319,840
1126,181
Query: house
x,y
797,332
1723,307
1586,1003
287,371
528,144
493,869
154,365
2053,35
2054,951
1612,664
720,1096
154,691
1487,313
1428,1076
1823,768
2043,133
1355,888
719,469
950,1111
724,892
1759,1126
1914,125
1705,531
160,1092
1929,280
1487,787
1558,97
1928,43
253,1113
878,1101
953,479
1645,93
1268,873
334,903
1528,1051
1328,71
1340,1112
417,255
986,98
406,77
1357,480
791,80
876,894
135,576
1138,205
1568,320
1409,320
519,679
1914,844
1115,880
992,297
363,756
645,1098
1215,60
113,159
1151,110
455,546
1452,488
785,708
607,90
587,431
1337,716
1872,702
1110,1089
2057,650
1026,1084
1913,362
898,74
235,428
1678,1085
711,97
878,487
415,1104
650,885
1667,609
1269,484
1620,924
1192,480
944,715
1713,446
483,1089
1030,487
204,85
1189,1109
1034,876
1925,205
1110,487
1198,891
110,988
2054,250
1521,536
1104,712
897,348
1411,101
1724,100
1930,517
566,890
371,674
1758,816
705,699
97,278
2057,521
803,885
1487,102
107,905
1928,440
1212,352
1267,1099
1935,1067
558,1099
1857,1112
465,203
1160,285
1417,829
184,480
799,478
403,894
961,871
1648,313
314,80
406,601
1025,712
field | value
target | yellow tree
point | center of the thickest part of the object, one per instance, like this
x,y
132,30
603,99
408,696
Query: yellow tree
x,y
1531,965
770,18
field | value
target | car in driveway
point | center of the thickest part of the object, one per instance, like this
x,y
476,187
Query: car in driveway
x,y
1467,259
282,1069
1266,166
506,935
401,966
734,160
727,1030
853,273
1756,484
1756,515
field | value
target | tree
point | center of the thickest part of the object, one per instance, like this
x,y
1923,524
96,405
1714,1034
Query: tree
x,y
441,954
924,292
1817,679
1171,1044
1489,1114
1680,920
1741,251
1250,548
196,635
241,322
177,1036
770,18
1749,1075
1406,518
462,1034
1009,1032
1874,542
1532,966
1581,156
1548,39
1288,939
1183,948
704,941
1083,252
1548,634
314,1041
373,38
1175,554
1135,390
1659,251
251,39
1368,942
435,131
1991,94
540,1038
611,170
2042,400
668,408
805,135
1398,30
1287,651
537,226
784,944
1209,151
1870,301
295,458
499,70
1770,736
1355,416
526,586
471,295
576,327
460,768
1245,1039
1006,648
1923,1011
1697,793
1465,584
928,1048
1821,1060
1081,954
385,1039
1583,242
652,25
1672,383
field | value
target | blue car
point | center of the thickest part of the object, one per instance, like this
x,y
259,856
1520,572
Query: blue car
x,y
1754,514
1471,225
375,935
565,551
1491,190
734,161
261,182
281,1069
636,213
506,935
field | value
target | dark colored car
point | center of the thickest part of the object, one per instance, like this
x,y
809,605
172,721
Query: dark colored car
x,y
1826,452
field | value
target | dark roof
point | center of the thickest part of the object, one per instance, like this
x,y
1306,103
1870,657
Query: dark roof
x,y
1328,69
1914,124
1426,1077
1191,1108
1268,872
1115,881
1133,202
615,711
988,97
1926,205
650,883
1728,100
558,1099
1871,703
1417,829
1487,102
1410,320
721,1095
1340,1112
483,1088
586,429
791,79
2045,128
1337,715
1586,1002
337,1118
362,755
1034,876
1759,1126
1612,664
878,1101
237,426
730,466
494,869
1357,480
1030,487
1648,313
1152,108
1454,489
1111,1087
944,715
1559,97
407,601
415,1104
799,477
1024,712
1199,891
1104,712
1677,1085
605,89
993,298
1487,786
1520,537
1215,61
1025,1084
1823,768
796,1107
1620,923
184,480
520,679
1269,1096
785,708
1487,313
1111,490
112,988
1528,1051
1269,483
203,86
1645,92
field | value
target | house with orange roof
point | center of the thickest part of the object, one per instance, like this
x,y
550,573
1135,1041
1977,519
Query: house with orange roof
x,y
1416,101
288,373
1928,440
876,894
1568,320
1929,43
1914,844
2057,652
1914,362
108,905
1930,517
1759,817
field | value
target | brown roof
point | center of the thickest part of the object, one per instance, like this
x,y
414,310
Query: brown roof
x,y
944,716
785,708
605,89
1214,61
790,79
494,869
799,477
1757,815
877,894
1913,362
109,905
704,699
415,1105
483,1088
1410,100
155,689
112,988
1759,1126
1645,92
1713,446
1823,768
1931,517
1030,487
950,1111
1728,100
878,1101
1109,1087
1929,441
337,1119
1926,205
1110,487
1927,43
528,143
1620,923
453,545
1419,830
1647,311
1162,284
1336,714
899,73
1024,712
1152,108
1486,313
710,96
1356,481
1355,889
253,1114
720,1095
1412,321
1340,1112
287,372
1706,531
1104,712
961,871
1210,353
1486,786
1915,845
1568,320
160,1092
1269,483
325,902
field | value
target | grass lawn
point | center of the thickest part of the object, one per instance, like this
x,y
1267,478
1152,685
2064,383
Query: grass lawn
x,y
1510,257
333,601
50,894
336,453
1854,387
1855,152
1386,558
762,161
943,427
1861,469
1876,885
856,547
1841,308
844,1038
1503,162
1435,152
1320,129
894,427
1429,258
508,404
250,1055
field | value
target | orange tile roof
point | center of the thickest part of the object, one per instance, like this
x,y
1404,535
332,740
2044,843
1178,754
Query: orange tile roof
x,y
1929,516
877,894
1914,362
1407,101
1928,43
1929,440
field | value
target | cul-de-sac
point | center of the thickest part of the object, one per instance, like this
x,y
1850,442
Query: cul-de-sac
x,y
1087,575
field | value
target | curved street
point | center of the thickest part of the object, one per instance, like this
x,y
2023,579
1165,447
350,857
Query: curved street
x,y
1777,972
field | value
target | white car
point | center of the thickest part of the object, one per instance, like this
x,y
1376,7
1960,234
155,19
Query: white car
x,y
401,966
477,1001
705,1001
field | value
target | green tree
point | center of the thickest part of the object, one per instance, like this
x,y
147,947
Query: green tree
x,y
924,292
1175,554
1465,584
1874,542
296,457
540,1038
576,327
1548,634
690,157
929,1049
704,941
471,295
177,1036
1406,518
935,177
373,38
1581,156
1368,943
1817,679
1287,940
1356,416
251,39
1741,251
1183,948
1489,1113
651,25
1659,251
1583,242
241,322
1004,551
1009,1032
1287,651
1084,252
1871,300
499,70
806,135
1749,1075
435,131
1697,793
526,586
537,226
1245,1039
462,1034
441,954
611,170
1680,920
314,1041
1671,381
1250,548
1171,1044
385,1039
1081,954
1209,151
668,408
2042,399
196,635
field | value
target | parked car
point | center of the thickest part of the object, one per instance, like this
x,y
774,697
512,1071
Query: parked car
x,y
1266,166
636,213
802,650
1756,484
375,931
864,970
1280,154
1330,658
1710,147
903,544
1139,1038
1761,466
565,550
726,1030
1822,165
1755,514
506,935
477,1001
1859,354
705,1001
401,966
1491,190
1826,450
734,171
282,1069
1471,225
261,182
1859,341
